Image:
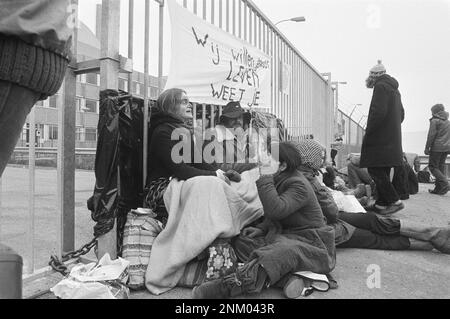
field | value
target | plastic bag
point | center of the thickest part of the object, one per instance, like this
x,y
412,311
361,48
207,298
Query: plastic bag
x,y
103,280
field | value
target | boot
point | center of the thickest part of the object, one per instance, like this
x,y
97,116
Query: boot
x,y
419,245
250,278
439,237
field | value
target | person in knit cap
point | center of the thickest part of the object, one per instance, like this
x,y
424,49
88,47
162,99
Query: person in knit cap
x,y
35,41
438,147
382,143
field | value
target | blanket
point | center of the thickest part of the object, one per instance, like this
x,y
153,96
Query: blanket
x,y
200,210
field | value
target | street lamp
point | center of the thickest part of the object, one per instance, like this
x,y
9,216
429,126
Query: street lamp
x,y
337,92
296,19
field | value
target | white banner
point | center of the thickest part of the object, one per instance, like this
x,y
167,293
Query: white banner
x,y
213,66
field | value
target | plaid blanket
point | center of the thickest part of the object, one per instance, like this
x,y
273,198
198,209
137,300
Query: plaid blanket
x,y
139,234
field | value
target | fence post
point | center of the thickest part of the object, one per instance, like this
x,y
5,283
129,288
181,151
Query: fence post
x,y
109,79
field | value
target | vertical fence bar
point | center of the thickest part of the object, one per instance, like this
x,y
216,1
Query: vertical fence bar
x,y
195,7
213,11
31,189
220,14
130,41
233,15
240,17
203,120
109,72
146,84
250,26
245,19
161,46
185,3
227,15
204,9
194,115
66,155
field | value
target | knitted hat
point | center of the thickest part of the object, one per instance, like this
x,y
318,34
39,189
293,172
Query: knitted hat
x,y
378,70
311,153
437,108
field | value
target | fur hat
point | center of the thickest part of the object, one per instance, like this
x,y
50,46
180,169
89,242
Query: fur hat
x,y
437,108
378,70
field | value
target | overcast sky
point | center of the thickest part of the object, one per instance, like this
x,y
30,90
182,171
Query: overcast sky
x,y
346,38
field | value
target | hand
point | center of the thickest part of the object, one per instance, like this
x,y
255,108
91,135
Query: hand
x,y
233,175
427,152
269,167
221,174
252,232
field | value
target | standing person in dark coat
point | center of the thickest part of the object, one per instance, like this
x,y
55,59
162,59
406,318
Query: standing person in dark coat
x,y
382,144
438,147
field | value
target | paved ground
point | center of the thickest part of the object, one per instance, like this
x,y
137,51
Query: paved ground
x,y
403,274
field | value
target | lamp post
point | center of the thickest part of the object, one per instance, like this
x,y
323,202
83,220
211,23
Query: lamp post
x,y
336,84
296,19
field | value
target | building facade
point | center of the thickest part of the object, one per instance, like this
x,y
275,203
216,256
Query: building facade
x,y
87,100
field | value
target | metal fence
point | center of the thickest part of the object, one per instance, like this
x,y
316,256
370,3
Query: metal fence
x,y
300,95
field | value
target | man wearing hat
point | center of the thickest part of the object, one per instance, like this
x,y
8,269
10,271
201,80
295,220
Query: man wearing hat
x,y
438,147
382,144
226,142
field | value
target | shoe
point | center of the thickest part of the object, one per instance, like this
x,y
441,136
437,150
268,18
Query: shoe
x,y
391,209
250,278
294,287
215,289
444,190
433,191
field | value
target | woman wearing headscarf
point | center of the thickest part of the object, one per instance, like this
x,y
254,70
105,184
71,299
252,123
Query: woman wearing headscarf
x,y
292,237
172,150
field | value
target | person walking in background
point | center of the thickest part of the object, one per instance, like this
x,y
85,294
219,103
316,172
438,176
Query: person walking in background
x,y
35,40
382,143
335,147
438,147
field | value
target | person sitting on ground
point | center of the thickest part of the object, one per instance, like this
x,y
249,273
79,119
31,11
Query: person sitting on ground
x,y
356,174
362,192
367,230
438,147
226,143
171,112
293,235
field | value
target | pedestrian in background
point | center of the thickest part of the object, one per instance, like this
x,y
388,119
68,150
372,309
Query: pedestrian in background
x,y
382,144
438,147
35,40
335,148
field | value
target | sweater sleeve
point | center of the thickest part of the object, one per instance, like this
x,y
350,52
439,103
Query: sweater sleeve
x,y
279,206
378,108
329,207
431,134
181,170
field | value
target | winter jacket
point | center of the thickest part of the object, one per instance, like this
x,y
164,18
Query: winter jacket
x,y
160,161
35,40
289,199
382,142
439,133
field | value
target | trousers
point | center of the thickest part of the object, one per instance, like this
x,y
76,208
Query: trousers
x,y
15,103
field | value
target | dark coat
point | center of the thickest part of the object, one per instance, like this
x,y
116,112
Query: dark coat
x,y
382,143
289,199
439,133
160,162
